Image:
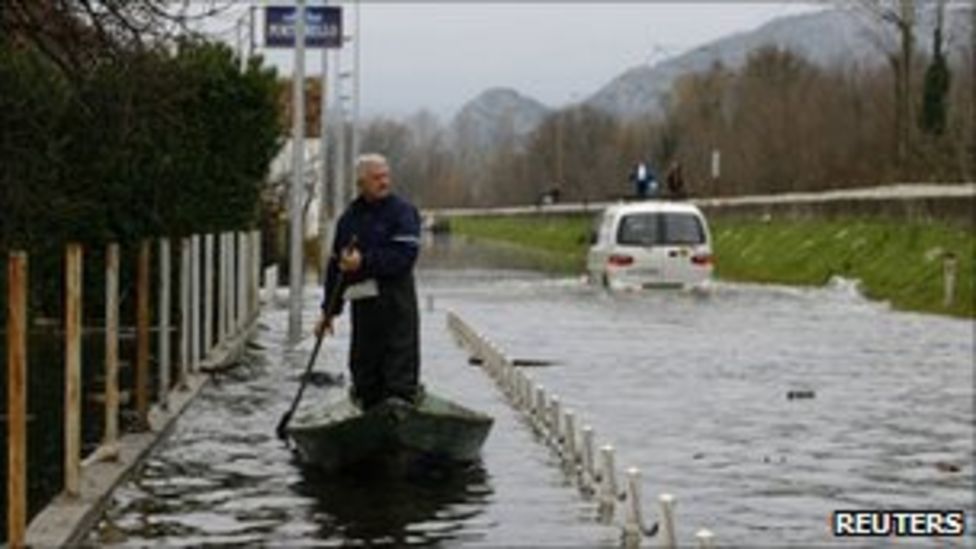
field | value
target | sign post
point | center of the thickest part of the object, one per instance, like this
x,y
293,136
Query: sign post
x,y
299,27
323,26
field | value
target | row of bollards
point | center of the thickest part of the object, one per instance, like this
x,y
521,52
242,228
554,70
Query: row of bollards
x,y
236,302
556,425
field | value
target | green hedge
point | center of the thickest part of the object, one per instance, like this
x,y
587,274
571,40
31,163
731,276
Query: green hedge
x,y
142,144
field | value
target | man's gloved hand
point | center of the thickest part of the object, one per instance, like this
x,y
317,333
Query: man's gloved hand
x,y
351,260
324,325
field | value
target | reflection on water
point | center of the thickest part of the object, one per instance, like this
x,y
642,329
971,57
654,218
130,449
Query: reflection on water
x,y
420,509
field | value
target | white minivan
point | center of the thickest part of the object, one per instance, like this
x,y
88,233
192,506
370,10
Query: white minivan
x,y
650,244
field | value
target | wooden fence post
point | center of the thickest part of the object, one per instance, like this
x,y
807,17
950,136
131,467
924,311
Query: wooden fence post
x,y
184,311
111,437
242,271
165,300
72,374
222,289
142,335
231,286
195,291
208,296
16,398
255,271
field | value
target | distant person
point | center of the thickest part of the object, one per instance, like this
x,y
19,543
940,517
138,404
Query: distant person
x,y
638,179
675,182
376,245
643,180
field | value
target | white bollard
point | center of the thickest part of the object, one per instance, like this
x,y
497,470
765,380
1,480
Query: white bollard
x,y
540,408
555,414
706,539
635,516
608,485
667,520
589,472
572,457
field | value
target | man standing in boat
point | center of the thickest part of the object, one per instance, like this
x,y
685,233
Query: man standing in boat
x,y
377,240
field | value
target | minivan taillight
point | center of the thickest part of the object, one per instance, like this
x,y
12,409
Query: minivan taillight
x,y
702,259
620,260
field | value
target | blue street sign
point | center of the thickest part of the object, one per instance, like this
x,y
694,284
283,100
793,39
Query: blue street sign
x,y
323,26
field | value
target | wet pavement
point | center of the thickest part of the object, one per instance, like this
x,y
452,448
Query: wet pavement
x,y
691,388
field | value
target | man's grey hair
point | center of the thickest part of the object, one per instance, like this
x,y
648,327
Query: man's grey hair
x,y
368,160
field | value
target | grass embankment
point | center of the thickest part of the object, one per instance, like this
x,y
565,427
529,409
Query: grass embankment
x,y
566,236
900,262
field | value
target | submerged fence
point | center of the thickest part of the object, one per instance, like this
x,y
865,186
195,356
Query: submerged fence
x,y
218,277
556,425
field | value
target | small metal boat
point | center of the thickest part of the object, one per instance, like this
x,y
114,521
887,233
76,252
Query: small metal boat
x,y
434,430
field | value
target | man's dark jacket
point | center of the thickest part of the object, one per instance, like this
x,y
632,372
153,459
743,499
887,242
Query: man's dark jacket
x,y
385,354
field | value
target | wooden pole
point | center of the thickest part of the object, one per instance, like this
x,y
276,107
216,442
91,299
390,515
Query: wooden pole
x,y
184,311
165,298
208,289
195,291
16,399
231,285
142,335
256,272
110,440
241,280
222,289
72,375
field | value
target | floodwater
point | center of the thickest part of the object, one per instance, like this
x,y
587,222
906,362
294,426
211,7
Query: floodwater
x,y
691,388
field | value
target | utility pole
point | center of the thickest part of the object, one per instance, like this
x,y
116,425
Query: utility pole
x,y
357,82
295,275
325,217
251,36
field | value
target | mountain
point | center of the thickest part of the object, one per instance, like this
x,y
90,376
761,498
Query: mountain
x,y
495,116
826,38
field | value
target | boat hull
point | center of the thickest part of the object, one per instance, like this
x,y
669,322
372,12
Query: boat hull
x,y
392,432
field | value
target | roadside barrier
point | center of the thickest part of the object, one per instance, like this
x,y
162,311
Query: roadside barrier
x,y
237,303
556,425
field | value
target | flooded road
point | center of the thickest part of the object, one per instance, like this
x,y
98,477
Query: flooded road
x,y
690,388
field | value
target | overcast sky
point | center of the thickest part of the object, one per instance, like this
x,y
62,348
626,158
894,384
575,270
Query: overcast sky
x,y
439,55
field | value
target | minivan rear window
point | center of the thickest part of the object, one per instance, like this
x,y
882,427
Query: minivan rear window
x,y
647,229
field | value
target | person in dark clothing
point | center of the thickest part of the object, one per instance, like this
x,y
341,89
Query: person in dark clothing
x,y
643,180
676,182
377,240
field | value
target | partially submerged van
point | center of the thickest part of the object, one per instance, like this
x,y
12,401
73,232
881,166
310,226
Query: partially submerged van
x,y
650,244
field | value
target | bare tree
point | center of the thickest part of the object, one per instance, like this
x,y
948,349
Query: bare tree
x,y
75,34
901,16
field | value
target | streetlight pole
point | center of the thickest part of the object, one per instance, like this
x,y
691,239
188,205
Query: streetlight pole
x,y
324,210
357,83
295,275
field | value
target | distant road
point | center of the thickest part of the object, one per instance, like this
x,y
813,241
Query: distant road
x,y
899,191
